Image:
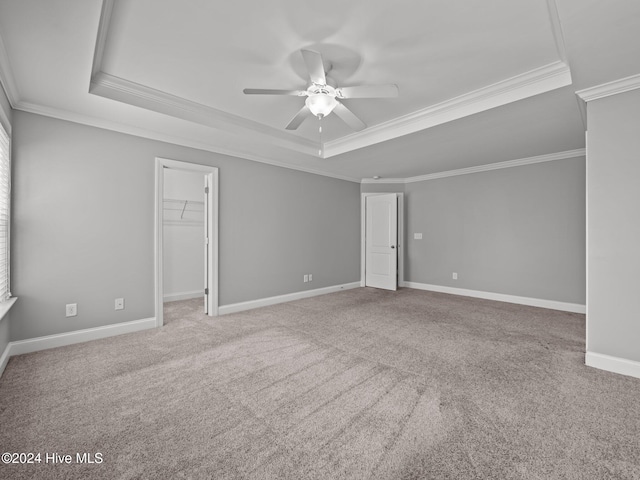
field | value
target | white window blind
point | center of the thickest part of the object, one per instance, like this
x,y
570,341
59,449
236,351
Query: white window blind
x,y
5,197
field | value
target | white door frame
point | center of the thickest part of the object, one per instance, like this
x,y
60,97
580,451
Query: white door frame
x,y
363,235
212,233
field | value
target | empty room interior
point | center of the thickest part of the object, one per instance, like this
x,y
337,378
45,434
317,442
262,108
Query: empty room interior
x,y
320,240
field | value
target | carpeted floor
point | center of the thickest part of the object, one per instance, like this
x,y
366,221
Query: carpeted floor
x,y
353,385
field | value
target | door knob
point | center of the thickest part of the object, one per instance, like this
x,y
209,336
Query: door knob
x,y
393,246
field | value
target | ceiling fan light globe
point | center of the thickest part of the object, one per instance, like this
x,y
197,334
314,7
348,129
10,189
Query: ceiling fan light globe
x,y
321,104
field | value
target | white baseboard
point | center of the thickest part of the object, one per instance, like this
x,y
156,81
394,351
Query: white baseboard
x,y
78,336
174,297
500,297
613,364
263,302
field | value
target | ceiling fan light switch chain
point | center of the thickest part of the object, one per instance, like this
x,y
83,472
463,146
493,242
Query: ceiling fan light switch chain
x,y
320,134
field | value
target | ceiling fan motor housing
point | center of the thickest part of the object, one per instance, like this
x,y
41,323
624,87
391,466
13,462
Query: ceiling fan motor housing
x,y
321,101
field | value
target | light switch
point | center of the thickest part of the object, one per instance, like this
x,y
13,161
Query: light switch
x,y
417,236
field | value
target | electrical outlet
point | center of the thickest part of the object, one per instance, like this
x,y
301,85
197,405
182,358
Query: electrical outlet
x,y
310,277
455,276
119,303
305,278
72,309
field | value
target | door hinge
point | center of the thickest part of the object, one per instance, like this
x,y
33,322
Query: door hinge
x,y
206,241
206,291
206,189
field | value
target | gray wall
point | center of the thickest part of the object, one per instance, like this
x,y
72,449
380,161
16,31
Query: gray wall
x,y
613,143
516,231
382,187
83,226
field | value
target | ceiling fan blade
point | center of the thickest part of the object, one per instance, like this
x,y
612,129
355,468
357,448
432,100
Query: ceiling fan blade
x,y
368,91
269,91
349,117
298,119
313,60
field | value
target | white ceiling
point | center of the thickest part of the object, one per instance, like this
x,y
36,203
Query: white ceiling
x,y
480,82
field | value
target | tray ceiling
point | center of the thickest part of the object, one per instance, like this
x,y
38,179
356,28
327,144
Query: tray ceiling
x,y
206,52
199,56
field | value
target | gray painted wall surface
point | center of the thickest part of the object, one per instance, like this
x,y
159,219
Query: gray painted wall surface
x,y
613,143
516,231
183,260
83,226
382,187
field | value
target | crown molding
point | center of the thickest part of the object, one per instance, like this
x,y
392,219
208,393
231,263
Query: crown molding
x,y
610,88
101,36
153,135
162,137
6,77
534,82
556,29
582,108
580,152
131,93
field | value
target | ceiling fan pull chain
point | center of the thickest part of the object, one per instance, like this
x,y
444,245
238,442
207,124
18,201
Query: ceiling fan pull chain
x,y
320,132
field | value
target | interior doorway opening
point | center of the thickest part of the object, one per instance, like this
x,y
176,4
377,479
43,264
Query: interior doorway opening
x,y
186,260
184,236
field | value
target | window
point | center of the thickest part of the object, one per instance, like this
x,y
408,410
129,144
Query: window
x,y
5,198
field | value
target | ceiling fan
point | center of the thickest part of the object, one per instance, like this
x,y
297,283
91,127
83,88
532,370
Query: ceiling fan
x,y
323,96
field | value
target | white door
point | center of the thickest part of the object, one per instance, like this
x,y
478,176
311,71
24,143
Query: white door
x,y
206,244
381,243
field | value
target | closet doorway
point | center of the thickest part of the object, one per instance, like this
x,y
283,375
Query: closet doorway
x,y
186,235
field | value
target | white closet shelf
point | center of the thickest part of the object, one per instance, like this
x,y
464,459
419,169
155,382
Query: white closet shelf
x,y
183,212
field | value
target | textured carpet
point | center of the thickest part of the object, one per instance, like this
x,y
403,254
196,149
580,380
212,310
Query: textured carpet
x,y
358,384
